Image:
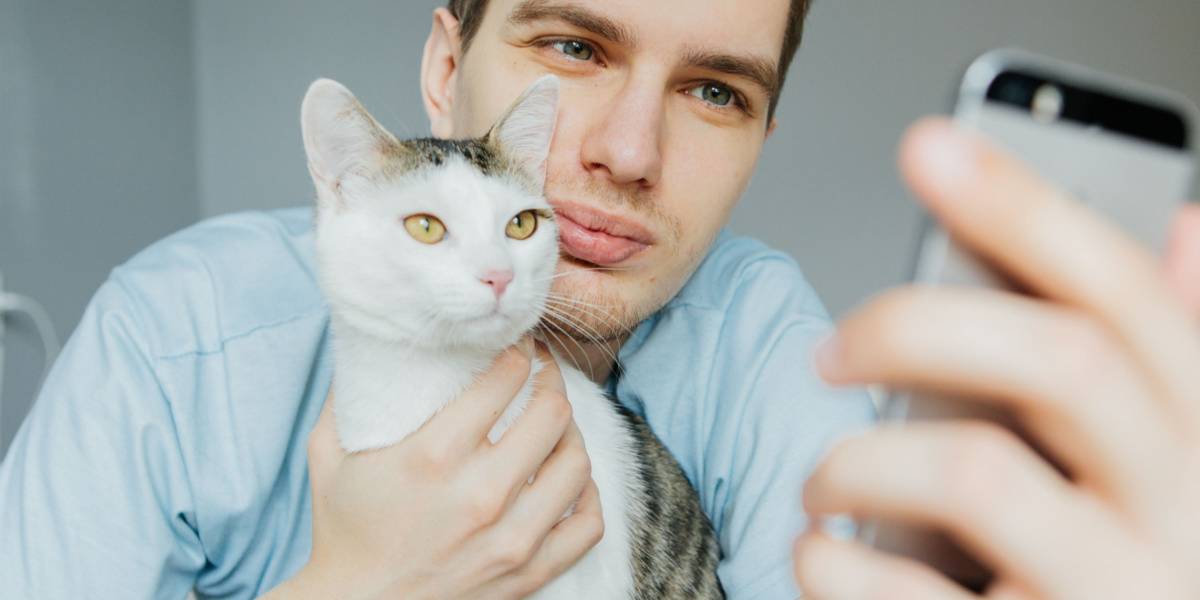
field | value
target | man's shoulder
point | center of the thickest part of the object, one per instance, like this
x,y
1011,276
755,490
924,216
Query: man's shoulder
x,y
743,277
745,304
222,278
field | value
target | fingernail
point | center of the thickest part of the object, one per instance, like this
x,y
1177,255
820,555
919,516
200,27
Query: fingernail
x,y
827,357
950,157
527,346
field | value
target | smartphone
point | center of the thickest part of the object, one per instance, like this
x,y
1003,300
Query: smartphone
x,y
1123,148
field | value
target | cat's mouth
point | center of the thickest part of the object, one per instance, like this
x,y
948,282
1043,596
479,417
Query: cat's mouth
x,y
599,238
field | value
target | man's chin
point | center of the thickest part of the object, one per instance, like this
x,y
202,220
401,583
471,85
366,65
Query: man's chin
x,y
595,303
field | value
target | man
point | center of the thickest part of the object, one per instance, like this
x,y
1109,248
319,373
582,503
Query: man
x,y
168,448
665,107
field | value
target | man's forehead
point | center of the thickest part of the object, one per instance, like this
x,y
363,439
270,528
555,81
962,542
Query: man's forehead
x,y
741,26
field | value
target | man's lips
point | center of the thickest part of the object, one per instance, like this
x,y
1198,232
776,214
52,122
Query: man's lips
x,y
597,237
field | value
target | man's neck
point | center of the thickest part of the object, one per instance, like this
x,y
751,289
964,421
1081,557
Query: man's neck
x,y
595,360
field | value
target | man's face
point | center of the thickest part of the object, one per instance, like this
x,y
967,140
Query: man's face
x,y
662,115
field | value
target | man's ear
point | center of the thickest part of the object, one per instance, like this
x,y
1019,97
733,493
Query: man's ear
x,y
439,72
524,132
340,136
771,127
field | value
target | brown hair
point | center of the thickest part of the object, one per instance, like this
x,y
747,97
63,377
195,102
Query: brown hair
x,y
470,15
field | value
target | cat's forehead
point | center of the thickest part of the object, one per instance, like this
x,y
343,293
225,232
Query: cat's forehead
x,y
434,152
459,183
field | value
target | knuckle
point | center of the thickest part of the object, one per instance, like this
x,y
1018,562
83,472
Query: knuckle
x,y
583,466
435,457
483,508
560,408
1085,354
517,554
593,528
983,469
533,578
520,362
577,463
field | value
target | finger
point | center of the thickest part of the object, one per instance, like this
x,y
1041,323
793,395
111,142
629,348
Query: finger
x,y
567,542
549,377
989,491
324,450
542,504
1006,589
844,570
526,444
1059,248
464,423
1071,383
1183,257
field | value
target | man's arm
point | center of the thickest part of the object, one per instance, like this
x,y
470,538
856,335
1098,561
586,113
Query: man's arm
x,y
94,501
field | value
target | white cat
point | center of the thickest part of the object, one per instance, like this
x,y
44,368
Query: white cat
x,y
435,256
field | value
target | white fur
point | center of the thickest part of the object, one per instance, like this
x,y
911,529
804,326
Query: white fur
x,y
413,324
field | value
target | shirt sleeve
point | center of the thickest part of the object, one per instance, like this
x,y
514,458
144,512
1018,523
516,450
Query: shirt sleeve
x,y
94,502
775,419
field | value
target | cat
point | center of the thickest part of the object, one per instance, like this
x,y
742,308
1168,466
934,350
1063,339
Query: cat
x,y
436,255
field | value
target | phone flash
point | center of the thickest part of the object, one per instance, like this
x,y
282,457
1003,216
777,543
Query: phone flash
x,y
1047,103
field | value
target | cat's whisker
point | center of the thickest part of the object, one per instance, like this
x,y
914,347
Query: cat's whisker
x,y
590,310
593,337
567,349
585,312
578,269
577,302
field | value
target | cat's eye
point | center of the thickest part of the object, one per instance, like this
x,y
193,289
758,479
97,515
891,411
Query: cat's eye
x,y
426,229
521,226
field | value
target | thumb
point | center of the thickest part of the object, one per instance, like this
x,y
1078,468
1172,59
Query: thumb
x,y
1182,260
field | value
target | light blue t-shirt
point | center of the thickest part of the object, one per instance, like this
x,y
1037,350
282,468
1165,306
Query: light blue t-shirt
x,y
167,449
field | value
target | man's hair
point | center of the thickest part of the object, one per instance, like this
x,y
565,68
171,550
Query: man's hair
x,y
470,15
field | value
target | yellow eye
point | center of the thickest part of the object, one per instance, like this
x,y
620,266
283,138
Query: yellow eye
x,y
522,226
426,229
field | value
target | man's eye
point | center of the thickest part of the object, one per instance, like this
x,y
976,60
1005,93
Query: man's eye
x,y
574,49
713,93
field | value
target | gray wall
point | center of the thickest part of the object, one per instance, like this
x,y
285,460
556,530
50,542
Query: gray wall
x,y
826,190
123,120
97,154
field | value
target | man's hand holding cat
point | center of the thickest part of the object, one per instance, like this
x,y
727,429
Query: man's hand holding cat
x,y
447,514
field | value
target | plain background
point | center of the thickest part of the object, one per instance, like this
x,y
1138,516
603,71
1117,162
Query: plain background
x,y
124,120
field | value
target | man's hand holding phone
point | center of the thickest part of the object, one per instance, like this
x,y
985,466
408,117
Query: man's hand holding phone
x,y
1103,370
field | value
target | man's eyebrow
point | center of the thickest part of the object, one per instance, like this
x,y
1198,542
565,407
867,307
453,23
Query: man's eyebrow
x,y
531,11
760,71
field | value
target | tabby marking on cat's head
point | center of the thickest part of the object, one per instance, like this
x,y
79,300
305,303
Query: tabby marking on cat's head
x,y
476,284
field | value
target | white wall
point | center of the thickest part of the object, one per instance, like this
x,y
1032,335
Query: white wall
x,y
97,155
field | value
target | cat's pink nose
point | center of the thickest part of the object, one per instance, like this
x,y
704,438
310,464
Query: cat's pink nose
x,y
498,280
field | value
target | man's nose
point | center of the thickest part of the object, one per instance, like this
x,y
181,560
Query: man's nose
x,y
625,144
498,279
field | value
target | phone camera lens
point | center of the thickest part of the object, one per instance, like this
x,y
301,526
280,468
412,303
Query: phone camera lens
x,y
1047,103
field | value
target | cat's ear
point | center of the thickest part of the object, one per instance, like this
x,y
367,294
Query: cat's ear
x,y
341,138
525,131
